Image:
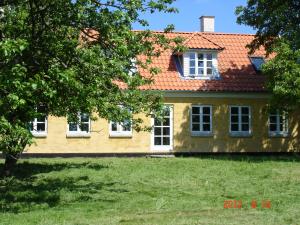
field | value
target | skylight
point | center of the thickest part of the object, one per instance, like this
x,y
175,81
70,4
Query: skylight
x,y
257,62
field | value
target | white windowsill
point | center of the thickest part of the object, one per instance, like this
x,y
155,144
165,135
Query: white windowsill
x,y
240,134
120,134
279,134
193,77
39,134
161,148
78,134
202,134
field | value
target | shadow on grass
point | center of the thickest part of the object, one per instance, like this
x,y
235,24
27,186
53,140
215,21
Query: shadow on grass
x,y
255,158
34,187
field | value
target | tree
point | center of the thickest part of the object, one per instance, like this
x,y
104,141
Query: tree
x,y
278,30
74,56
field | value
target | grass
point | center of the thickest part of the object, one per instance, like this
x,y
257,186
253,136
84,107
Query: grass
x,y
135,191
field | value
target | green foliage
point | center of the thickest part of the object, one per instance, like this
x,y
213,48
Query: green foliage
x,y
277,24
272,19
284,77
72,56
177,191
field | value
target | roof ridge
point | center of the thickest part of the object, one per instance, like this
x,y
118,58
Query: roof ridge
x,y
193,32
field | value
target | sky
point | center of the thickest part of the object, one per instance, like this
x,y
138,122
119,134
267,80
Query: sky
x,y
189,12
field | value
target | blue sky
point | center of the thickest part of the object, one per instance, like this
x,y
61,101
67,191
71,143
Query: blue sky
x,y
189,12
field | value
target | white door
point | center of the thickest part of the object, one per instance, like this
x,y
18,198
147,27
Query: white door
x,y
162,133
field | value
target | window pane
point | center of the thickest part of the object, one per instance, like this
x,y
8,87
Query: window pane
x,y
41,127
157,131
166,141
245,110
200,71
281,119
234,110
196,110
245,127
192,63
196,119
209,56
234,127
209,64
72,127
273,127
166,111
192,55
166,131
206,119
157,141
245,119
84,127
84,117
192,70
126,125
281,127
273,119
206,110
200,57
166,122
200,64
285,127
234,119
257,62
114,126
206,127
157,122
195,127
209,71
41,119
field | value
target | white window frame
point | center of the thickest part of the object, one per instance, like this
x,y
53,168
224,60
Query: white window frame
x,y
205,60
163,148
278,132
119,132
134,68
240,133
201,132
79,132
37,133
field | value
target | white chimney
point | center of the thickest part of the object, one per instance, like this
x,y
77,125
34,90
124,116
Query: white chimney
x,y
207,24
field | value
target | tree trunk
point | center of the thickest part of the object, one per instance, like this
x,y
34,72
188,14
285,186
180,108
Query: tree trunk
x,y
10,162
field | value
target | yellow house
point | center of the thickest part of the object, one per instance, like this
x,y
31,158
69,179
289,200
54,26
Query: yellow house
x,y
215,98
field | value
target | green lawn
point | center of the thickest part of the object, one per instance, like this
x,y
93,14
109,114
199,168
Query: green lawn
x,y
86,191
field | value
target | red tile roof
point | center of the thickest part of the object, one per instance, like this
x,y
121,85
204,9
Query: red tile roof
x,y
236,71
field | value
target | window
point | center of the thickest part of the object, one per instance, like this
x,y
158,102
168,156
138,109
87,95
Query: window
x,y
240,120
257,62
200,64
278,123
134,68
201,120
122,129
80,129
38,126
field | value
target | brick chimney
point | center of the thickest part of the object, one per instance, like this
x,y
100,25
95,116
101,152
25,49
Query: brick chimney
x,y
207,24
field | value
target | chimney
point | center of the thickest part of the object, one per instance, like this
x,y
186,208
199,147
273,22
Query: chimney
x,y
207,24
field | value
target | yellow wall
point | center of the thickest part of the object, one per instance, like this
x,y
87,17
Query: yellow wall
x,y
100,142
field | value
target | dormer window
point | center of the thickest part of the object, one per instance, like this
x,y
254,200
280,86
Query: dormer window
x,y
200,64
257,62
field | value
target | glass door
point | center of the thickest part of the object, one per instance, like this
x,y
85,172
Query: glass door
x,y
162,134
